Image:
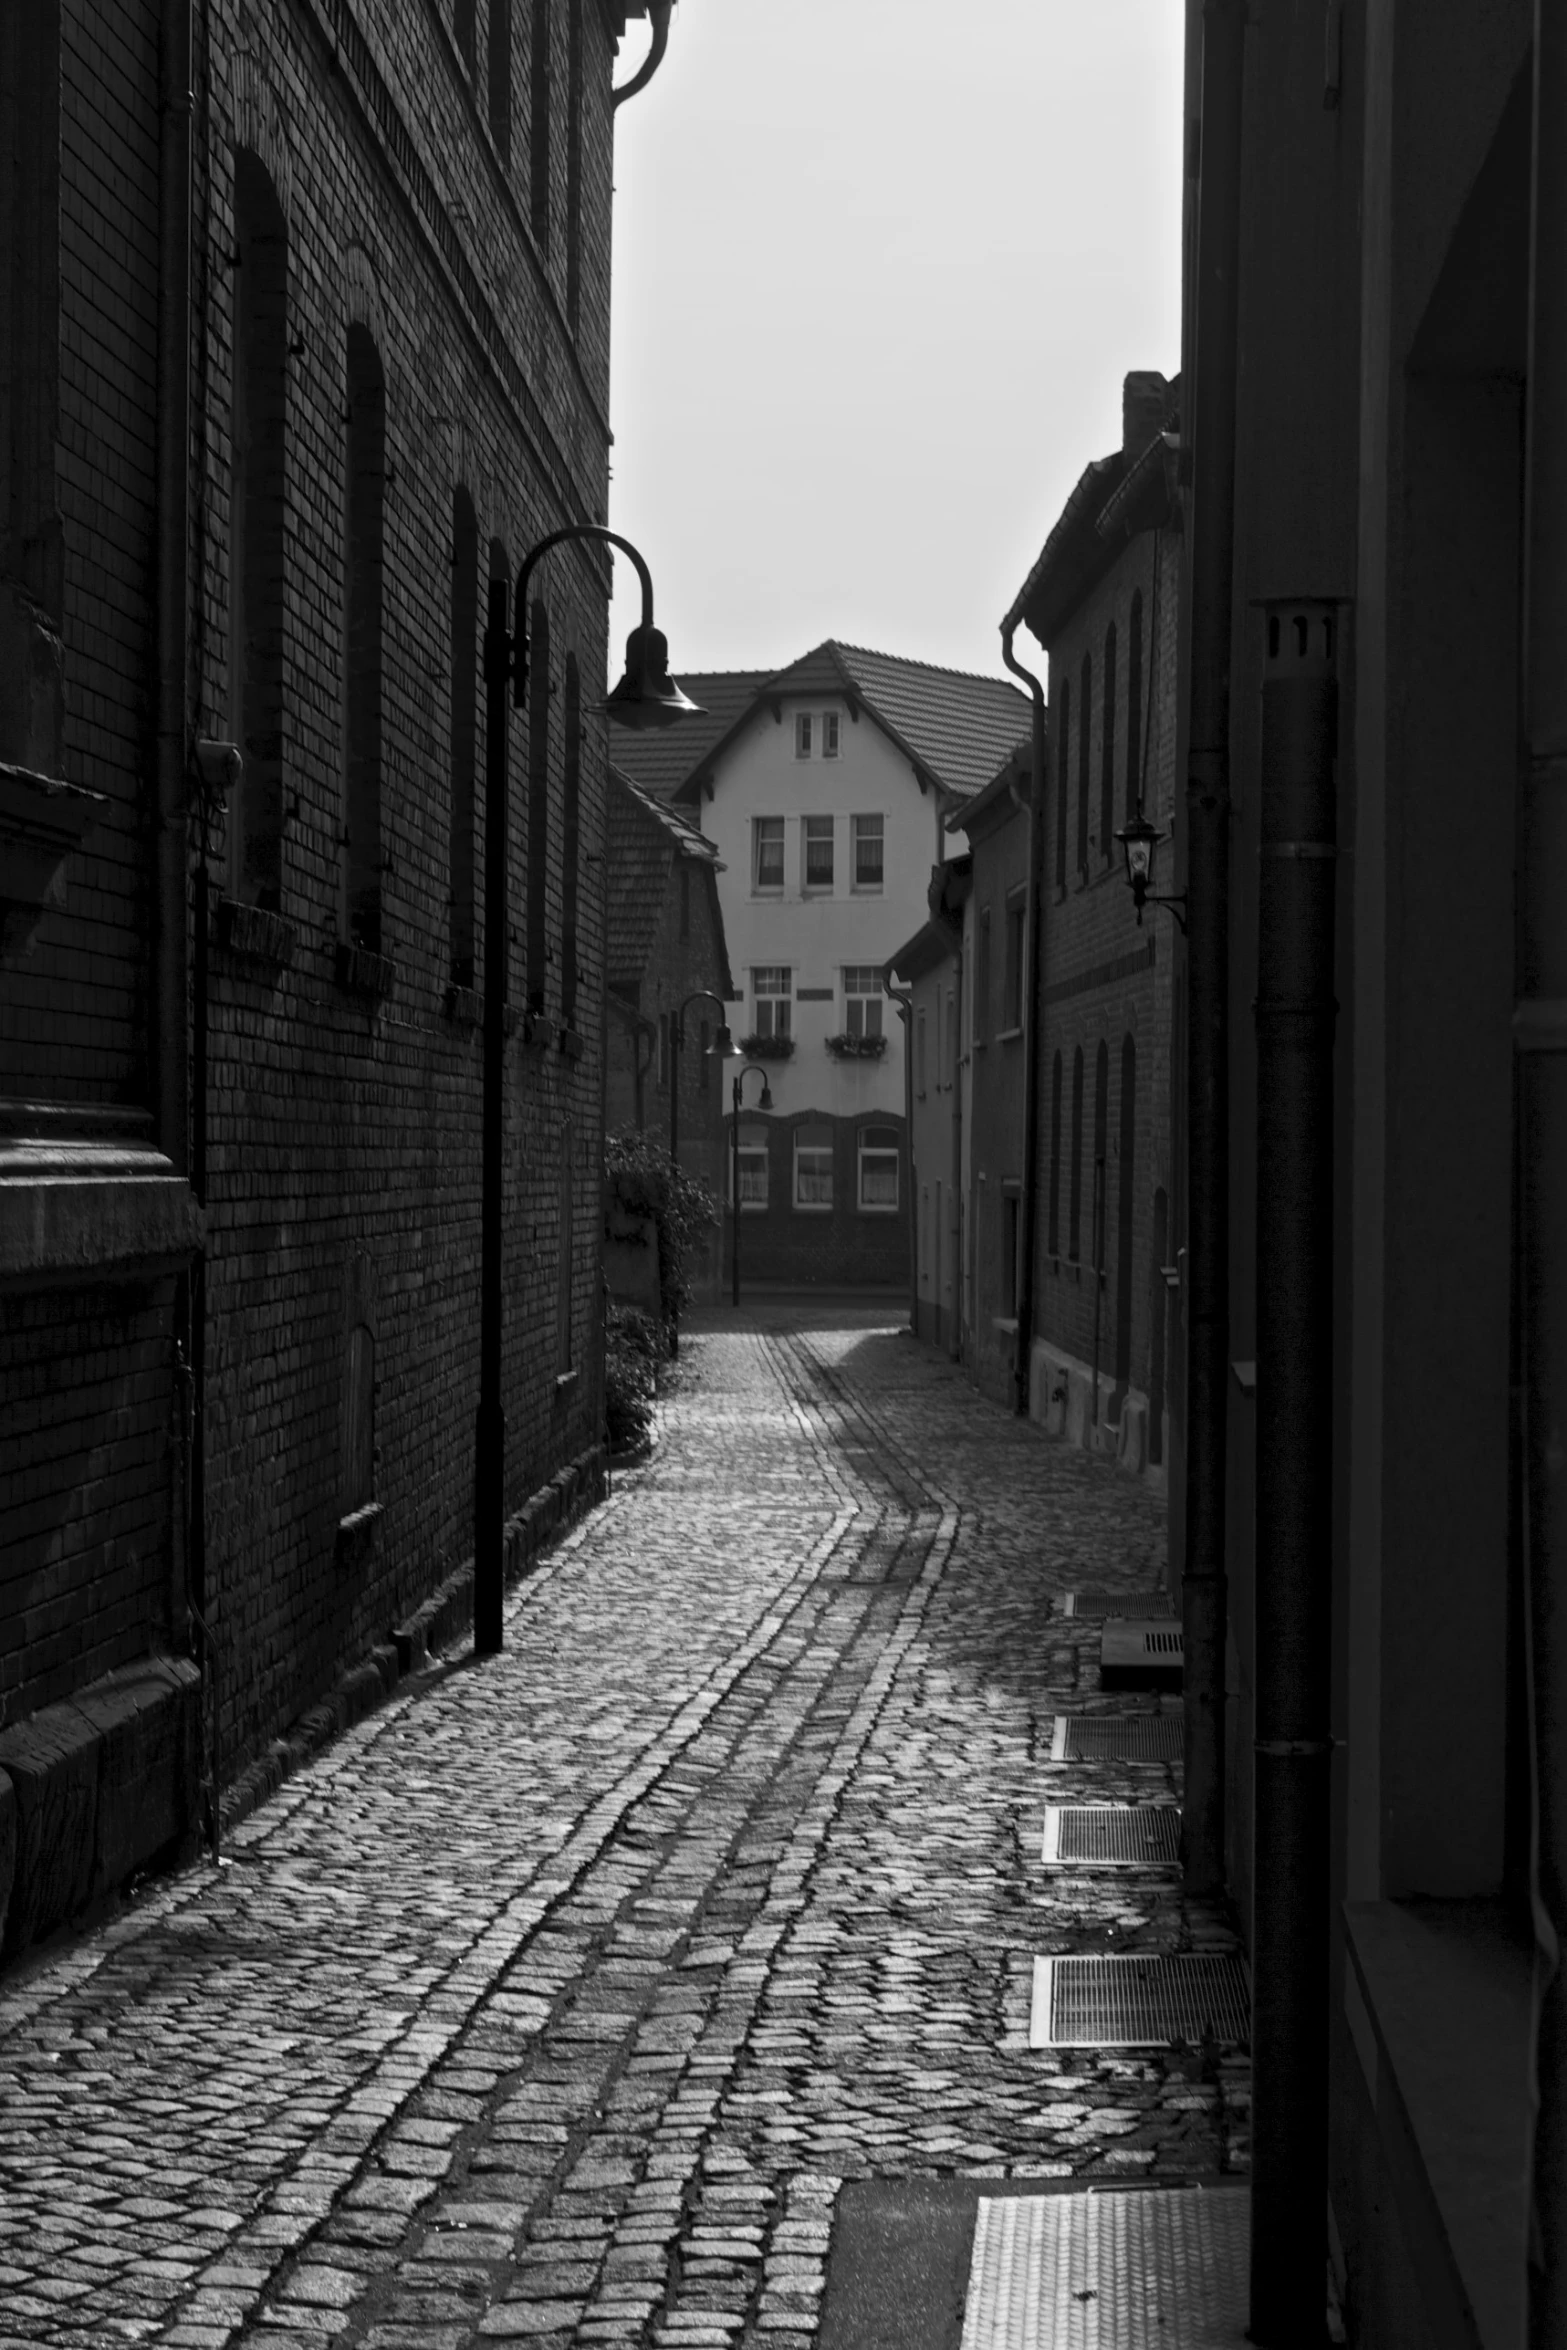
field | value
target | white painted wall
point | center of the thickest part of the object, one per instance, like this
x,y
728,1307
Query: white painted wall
x,y
816,935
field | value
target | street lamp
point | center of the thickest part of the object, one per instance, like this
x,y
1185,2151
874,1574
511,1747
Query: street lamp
x,y
722,1048
646,696
764,1102
1140,842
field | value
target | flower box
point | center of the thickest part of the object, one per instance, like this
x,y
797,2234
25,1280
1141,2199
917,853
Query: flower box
x,y
857,1048
767,1048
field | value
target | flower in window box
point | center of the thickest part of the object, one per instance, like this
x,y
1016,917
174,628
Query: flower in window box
x,y
857,1048
767,1048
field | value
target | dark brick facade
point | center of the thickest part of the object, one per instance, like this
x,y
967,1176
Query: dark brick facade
x,y
395,319
846,1247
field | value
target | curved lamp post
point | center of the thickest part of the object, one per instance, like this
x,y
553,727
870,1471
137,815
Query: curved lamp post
x,y
722,1048
764,1102
646,696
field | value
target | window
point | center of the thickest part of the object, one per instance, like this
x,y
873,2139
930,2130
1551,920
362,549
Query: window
x,y
813,1166
802,734
1134,709
1101,1122
1062,772
359,1421
366,466
767,852
539,123
464,737
867,831
829,734
1107,752
818,852
570,842
982,981
538,804
565,1259
500,77
1053,1227
1083,732
1012,1009
1074,1248
879,1169
770,986
863,999
255,825
753,1169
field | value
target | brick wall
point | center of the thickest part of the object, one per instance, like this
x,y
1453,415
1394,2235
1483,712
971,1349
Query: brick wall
x,y
844,1248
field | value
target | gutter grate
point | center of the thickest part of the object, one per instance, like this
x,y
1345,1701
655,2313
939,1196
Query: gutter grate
x,y
1115,2270
1115,1603
1119,1738
1138,2002
1112,1835
1148,1653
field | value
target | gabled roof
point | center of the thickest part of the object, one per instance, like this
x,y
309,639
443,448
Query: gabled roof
x,y
644,841
1097,520
952,725
1016,768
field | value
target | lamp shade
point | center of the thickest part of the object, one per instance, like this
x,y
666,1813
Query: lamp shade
x,y
1139,839
723,1046
647,696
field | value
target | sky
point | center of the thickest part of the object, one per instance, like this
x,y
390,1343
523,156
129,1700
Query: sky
x,y
879,269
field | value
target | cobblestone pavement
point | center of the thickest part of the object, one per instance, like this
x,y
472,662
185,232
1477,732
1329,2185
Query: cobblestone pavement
x,y
555,2002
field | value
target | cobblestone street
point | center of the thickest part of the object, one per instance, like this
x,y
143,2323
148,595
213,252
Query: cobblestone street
x,y
556,2001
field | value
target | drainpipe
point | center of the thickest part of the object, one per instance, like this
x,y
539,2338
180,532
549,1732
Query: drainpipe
x,y
659,15
1540,1034
1029,1217
1295,1011
1211,557
904,1000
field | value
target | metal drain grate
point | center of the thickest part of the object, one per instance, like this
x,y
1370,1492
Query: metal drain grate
x,y
1112,1835
1113,2271
1138,2002
1142,1654
1119,1738
1115,1603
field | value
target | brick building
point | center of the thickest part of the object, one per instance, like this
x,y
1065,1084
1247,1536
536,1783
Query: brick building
x,y
664,945
1103,601
289,376
825,787
929,969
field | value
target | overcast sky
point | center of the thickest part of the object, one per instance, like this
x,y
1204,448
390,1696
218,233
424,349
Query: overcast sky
x,y
880,266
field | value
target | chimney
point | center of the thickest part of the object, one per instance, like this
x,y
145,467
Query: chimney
x,y
1144,400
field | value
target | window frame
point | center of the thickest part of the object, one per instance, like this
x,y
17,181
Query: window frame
x,y
857,998
865,1152
1014,959
818,1150
859,833
759,887
831,734
802,733
751,1150
808,887
773,997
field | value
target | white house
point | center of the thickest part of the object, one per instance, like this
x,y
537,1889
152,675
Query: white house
x,y
825,788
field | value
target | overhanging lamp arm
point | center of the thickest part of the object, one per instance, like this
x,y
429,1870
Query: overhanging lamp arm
x,y
594,532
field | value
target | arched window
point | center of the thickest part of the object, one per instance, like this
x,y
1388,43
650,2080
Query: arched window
x,y
1134,709
463,30
565,1261
813,1167
465,734
539,120
538,803
358,1421
1126,1186
500,77
255,822
1084,730
366,499
571,842
1107,752
1075,1174
1101,1122
1053,1227
753,1169
574,166
1063,772
878,1171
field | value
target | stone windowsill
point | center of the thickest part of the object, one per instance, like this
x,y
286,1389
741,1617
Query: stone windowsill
x,y
572,1043
1437,1997
252,934
84,1192
356,1534
364,973
566,1381
1009,1035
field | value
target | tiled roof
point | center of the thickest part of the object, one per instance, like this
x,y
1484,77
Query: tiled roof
x,y
662,758
955,726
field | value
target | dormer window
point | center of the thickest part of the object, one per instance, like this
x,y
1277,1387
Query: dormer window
x,y
802,734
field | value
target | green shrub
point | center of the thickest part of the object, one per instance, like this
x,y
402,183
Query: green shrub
x,y
632,1345
648,1182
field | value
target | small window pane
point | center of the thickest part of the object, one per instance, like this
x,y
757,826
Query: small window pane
x,y
818,852
813,1167
867,852
878,1167
829,734
802,735
769,852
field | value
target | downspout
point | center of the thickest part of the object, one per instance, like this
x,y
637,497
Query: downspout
x,y
659,15
1540,1036
1034,1014
904,1000
1211,555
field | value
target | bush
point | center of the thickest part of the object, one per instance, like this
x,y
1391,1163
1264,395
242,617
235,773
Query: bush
x,y
648,1182
632,1346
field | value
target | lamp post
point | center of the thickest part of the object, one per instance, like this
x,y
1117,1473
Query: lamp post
x,y
646,696
764,1102
722,1048
1140,843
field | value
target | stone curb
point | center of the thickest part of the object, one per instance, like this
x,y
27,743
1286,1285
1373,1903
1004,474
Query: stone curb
x,y
433,1626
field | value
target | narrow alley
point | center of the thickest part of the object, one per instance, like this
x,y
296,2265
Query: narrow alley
x,y
567,1997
